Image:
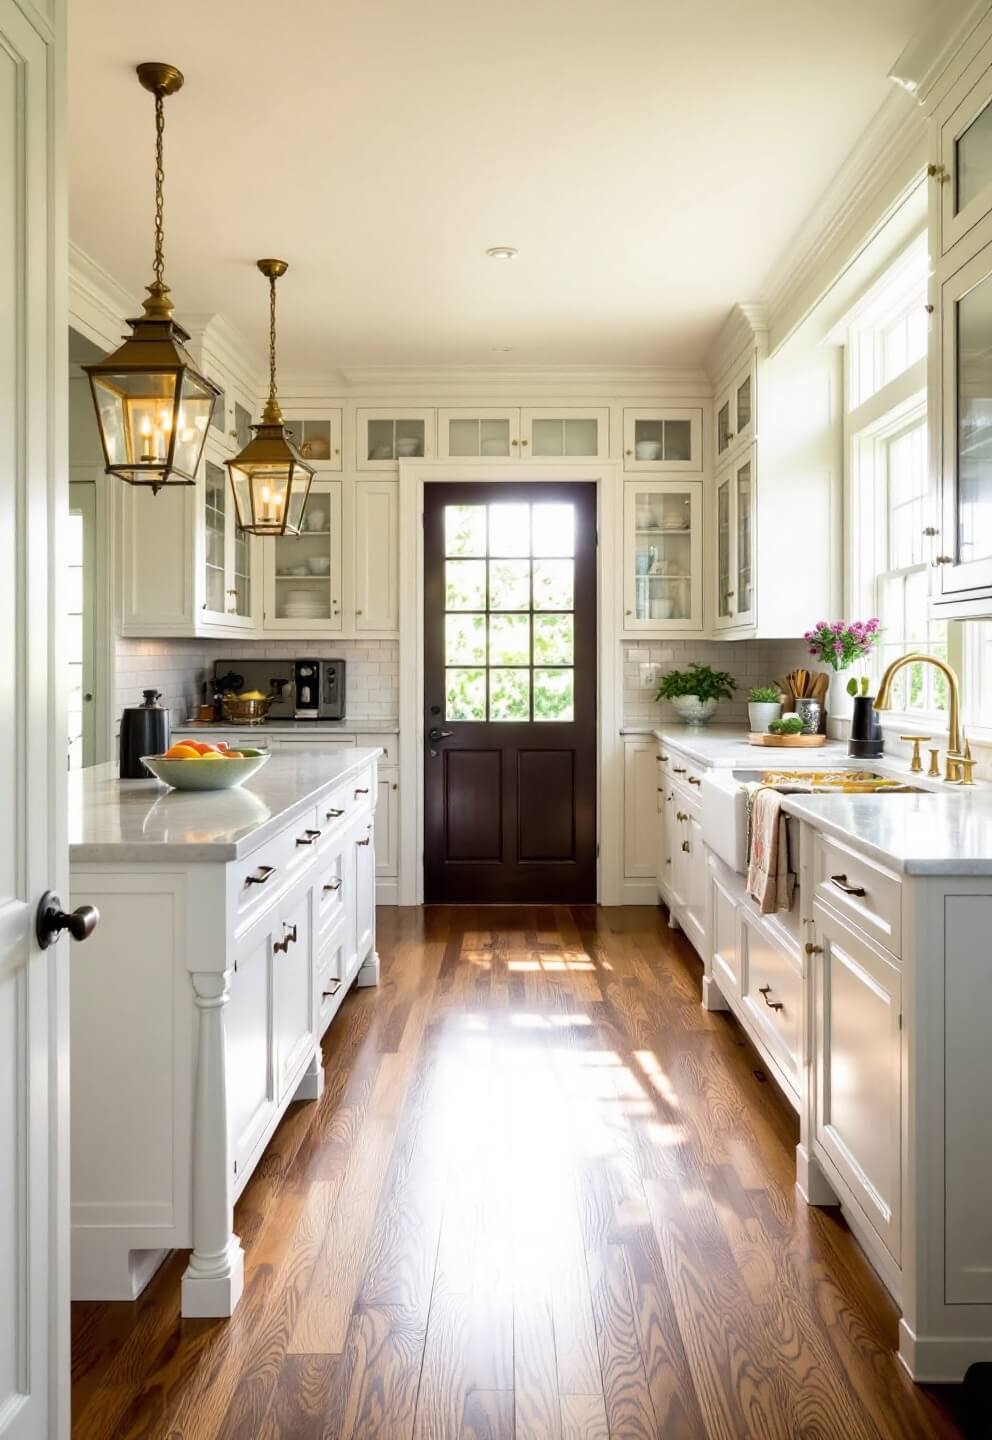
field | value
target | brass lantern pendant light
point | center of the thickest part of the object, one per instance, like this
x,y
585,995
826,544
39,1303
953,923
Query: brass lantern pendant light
x,y
152,405
270,478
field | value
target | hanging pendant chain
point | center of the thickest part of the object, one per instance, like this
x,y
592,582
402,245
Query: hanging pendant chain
x,y
159,188
272,338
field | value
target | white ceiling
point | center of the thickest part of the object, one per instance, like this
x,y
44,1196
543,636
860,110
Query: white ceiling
x,y
650,159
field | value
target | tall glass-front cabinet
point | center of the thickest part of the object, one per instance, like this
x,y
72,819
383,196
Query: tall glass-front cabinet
x,y
734,527
663,551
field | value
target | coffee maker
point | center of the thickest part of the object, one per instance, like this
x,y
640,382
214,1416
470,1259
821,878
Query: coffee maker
x,y
306,683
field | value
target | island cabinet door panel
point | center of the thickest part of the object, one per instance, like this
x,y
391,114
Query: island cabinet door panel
x,y
364,891
725,941
293,981
857,1050
251,1079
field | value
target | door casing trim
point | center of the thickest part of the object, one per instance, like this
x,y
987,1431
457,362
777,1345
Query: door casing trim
x,y
606,476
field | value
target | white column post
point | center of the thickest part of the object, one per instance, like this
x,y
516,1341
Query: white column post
x,y
214,1278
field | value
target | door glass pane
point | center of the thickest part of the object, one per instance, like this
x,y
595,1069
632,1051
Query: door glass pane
x,y
509,694
509,584
494,437
463,437
723,427
649,439
509,529
678,440
553,584
381,439
242,572
723,549
465,640
547,437
465,695
975,424
465,585
973,159
744,405
314,438
242,425
554,695
553,639
409,439
465,529
744,538
509,639
554,530
580,436
215,501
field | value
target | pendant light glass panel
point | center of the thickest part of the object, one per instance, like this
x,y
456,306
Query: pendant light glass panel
x,y
270,495
153,424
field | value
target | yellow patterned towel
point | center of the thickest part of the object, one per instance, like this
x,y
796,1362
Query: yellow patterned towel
x,y
770,881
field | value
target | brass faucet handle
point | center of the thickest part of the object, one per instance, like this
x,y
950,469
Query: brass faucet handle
x,y
916,764
934,770
965,763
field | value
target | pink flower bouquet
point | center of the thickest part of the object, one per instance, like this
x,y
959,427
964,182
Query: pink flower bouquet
x,y
841,643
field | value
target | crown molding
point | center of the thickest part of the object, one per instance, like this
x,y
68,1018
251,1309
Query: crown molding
x,y
744,328
932,51
216,341
885,164
466,381
99,307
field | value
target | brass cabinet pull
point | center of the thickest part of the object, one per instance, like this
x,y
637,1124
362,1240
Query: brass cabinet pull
x,y
288,938
681,815
366,841
944,560
333,814
695,780
308,837
764,991
261,875
328,994
678,769
331,886
841,882
363,790
664,758
685,845
812,949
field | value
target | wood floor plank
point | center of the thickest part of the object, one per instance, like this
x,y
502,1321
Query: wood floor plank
x,y
544,1194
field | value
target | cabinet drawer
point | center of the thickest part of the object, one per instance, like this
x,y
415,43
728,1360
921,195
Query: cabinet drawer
x,y
860,889
725,941
264,874
332,889
773,998
332,980
388,744
293,991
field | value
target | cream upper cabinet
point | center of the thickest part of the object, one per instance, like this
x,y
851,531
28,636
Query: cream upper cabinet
x,y
662,556
476,434
377,556
317,432
733,414
963,164
384,437
565,433
302,573
734,606
663,439
228,555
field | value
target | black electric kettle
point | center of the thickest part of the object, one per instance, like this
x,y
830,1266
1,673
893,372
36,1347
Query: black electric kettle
x,y
144,731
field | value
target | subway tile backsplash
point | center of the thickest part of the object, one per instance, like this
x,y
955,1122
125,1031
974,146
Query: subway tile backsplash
x,y
178,668
750,662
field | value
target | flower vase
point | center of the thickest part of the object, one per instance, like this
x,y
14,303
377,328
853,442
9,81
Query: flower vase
x,y
838,700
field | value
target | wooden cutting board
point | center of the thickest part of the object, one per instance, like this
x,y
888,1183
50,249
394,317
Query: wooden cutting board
x,y
801,742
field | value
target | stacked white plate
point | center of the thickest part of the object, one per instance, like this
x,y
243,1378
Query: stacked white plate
x,y
304,605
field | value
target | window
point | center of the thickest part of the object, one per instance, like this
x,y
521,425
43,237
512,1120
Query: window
x,y
888,332
509,622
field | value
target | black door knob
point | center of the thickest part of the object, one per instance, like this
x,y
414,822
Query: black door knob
x,y
437,734
51,920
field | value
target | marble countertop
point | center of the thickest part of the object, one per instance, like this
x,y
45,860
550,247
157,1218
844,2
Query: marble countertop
x,y
725,747
946,833
113,820
319,729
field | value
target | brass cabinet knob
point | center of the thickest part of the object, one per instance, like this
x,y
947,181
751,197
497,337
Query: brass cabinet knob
x,y
944,560
939,173
685,846
812,949
628,452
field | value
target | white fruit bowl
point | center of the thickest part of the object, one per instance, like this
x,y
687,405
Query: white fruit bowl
x,y
203,774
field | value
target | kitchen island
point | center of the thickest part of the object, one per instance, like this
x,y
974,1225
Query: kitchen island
x,y
232,924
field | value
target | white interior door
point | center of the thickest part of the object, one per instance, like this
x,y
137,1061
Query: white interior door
x,y
34,1359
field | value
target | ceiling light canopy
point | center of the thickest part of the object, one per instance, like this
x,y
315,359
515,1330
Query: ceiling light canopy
x,y
153,407
270,478
502,252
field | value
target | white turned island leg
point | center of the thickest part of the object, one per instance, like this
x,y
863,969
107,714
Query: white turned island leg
x,y
215,1275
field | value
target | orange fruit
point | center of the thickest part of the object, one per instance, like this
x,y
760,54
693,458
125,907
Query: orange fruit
x,y
200,746
233,755
181,751
221,745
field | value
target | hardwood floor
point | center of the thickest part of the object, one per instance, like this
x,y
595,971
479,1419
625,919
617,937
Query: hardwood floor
x,y
545,1195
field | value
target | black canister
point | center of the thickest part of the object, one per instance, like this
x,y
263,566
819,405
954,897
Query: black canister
x,y
865,741
144,731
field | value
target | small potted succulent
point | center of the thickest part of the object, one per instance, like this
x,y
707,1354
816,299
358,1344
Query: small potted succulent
x,y
764,705
693,693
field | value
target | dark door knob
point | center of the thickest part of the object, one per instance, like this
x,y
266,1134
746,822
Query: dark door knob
x,y
51,920
435,734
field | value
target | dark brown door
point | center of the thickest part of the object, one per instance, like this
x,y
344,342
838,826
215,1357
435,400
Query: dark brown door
x,y
510,693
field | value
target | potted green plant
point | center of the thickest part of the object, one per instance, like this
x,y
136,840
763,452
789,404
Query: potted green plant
x,y
693,693
763,706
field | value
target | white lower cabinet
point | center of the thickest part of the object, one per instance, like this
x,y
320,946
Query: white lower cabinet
x,y
726,947
772,998
251,1077
364,842
387,824
640,810
293,987
857,1040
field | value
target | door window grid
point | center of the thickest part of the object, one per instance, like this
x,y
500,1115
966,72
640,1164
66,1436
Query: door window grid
x,y
509,613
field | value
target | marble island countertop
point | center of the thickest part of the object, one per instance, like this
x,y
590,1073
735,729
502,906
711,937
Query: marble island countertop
x,y
942,830
321,730
113,820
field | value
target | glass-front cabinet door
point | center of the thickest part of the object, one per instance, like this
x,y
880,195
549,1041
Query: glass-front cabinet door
x,y
662,439
734,570
663,551
303,572
964,171
565,433
733,413
318,436
384,437
724,610
475,434
964,546
227,556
